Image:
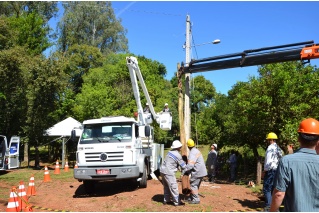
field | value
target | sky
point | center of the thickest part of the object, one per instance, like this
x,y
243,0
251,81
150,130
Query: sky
x,y
157,30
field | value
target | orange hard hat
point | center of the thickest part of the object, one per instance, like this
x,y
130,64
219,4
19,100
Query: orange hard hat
x,y
309,126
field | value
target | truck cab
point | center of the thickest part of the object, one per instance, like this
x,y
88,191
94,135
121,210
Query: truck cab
x,y
115,148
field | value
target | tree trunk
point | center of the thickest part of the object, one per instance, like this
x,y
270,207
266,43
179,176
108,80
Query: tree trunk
x,y
259,170
26,153
259,166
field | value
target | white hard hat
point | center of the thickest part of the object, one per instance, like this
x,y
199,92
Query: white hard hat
x,y
176,144
215,145
146,104
166,104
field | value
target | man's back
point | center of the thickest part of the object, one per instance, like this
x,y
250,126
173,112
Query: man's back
x,y
297,176
196,161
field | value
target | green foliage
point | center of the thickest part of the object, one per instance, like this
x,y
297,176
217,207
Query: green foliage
x,y
31,32
46,9
276,101
91,23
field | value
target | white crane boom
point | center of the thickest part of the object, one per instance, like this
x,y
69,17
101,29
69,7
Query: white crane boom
x,y
164,119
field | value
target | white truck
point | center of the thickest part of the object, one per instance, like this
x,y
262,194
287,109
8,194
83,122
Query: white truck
x,y
118,148
9,152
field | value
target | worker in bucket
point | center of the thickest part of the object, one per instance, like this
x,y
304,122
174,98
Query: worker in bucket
x,y
166,109
196,167
146,108
169,167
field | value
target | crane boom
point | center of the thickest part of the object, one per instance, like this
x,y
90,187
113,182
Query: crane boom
x,y
266,55
164,119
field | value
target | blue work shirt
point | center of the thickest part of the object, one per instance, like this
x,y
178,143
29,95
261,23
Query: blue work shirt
x,y
297,176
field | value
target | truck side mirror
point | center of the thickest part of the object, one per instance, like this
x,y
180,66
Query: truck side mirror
x,y
147,131
73,135
136,131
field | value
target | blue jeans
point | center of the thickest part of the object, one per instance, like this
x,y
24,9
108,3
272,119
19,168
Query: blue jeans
x,y
268,186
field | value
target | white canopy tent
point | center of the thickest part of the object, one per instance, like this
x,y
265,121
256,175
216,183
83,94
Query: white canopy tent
x,y
63,130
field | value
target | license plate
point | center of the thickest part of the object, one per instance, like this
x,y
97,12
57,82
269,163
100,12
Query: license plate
x,y
103,171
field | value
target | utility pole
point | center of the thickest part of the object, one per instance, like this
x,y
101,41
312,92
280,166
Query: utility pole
x,y
187,110
181,111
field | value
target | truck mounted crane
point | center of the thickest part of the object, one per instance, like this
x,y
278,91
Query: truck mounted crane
x,y
290,52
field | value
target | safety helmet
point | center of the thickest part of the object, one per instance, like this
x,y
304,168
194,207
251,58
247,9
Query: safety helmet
x,y
215,145
176,144
309,126
166,104
190,143
146,104
271,136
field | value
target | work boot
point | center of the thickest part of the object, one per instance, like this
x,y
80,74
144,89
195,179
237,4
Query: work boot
x,y
179,204
194,202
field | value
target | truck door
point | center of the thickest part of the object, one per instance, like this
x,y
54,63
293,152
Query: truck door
x,y
14,147
3,151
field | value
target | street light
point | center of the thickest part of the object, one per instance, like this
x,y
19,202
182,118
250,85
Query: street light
x,y
216,41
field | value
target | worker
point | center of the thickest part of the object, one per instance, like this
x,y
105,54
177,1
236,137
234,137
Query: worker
x,y
197,169
232,165
272,156
296,182
169,167
146,108
166,109
211,163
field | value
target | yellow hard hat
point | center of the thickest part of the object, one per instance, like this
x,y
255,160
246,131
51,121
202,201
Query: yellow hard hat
x,y
271,135
190,143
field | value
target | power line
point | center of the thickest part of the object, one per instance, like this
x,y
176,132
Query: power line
x,y
129,10
150,12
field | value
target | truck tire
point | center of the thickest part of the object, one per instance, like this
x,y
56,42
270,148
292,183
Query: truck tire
x,y
89,186
143,181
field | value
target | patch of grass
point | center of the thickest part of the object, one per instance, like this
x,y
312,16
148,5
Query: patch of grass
x,y
136,209
207,208
257,189
13,177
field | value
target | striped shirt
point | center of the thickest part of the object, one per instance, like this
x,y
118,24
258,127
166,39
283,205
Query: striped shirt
x,y
297,176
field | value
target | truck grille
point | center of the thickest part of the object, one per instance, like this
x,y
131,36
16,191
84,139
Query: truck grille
x,y
104,156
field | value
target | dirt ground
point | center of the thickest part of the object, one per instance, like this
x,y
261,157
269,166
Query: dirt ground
x,y
70,196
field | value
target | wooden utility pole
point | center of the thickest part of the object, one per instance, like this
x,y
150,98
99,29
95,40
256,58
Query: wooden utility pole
x,y
180,110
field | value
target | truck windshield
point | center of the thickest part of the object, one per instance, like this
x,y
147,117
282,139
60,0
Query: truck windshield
x,y
106,133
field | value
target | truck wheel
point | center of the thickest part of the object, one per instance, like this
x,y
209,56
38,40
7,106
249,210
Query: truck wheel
x,y
143,182
89,186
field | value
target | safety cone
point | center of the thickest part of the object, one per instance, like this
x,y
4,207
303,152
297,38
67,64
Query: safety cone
x,y
23,199
57,168
31,188
76,166
46,175
66,166
13,203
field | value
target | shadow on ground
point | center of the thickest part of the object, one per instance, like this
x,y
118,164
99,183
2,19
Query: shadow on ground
x,y
106,188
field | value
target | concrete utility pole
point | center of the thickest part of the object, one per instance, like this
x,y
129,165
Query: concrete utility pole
x,y
187,109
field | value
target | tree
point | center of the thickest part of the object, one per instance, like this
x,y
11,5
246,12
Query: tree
x,y
202,96
31,32
46,9
284,94
93,24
